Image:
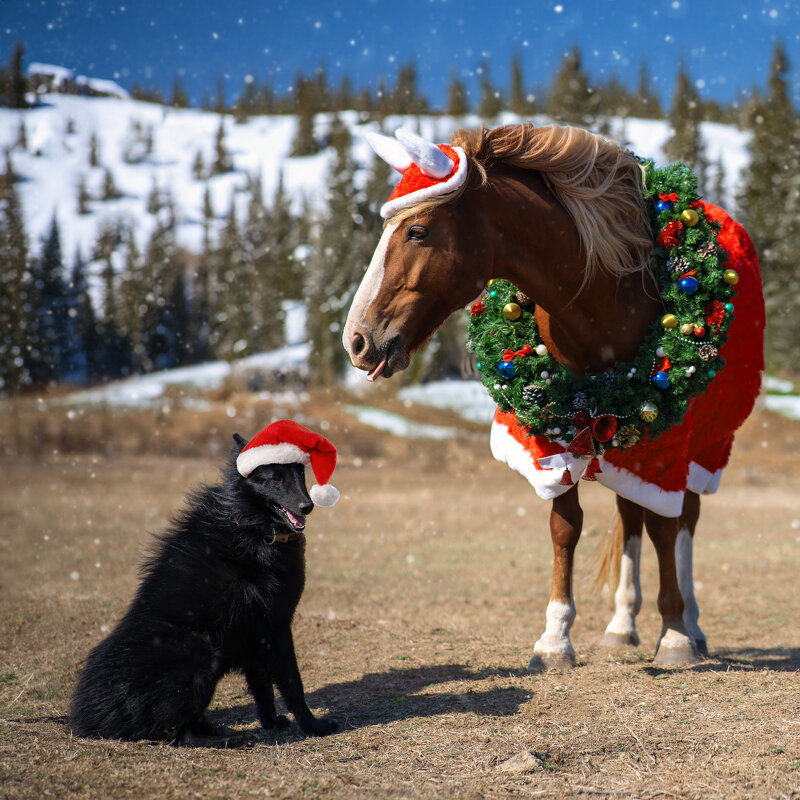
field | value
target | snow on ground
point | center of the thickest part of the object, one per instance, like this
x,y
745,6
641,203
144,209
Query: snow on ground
x,y
148,391
398,425
468,399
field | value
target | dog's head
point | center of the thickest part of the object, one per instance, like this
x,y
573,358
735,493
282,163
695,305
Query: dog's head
x,y
279,489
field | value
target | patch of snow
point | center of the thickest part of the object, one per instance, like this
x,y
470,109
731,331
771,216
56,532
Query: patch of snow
x,y
788,405
399,426
468,399
777,385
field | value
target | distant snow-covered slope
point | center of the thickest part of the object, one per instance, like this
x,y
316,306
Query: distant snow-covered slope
x,y
57,159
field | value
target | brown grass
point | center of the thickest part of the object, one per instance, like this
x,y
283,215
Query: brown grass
x,y
426,589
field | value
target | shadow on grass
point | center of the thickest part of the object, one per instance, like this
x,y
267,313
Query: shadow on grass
x,y
400,694
749,659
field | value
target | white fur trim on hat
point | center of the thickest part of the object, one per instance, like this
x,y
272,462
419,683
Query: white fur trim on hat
x,y
283,453
325,495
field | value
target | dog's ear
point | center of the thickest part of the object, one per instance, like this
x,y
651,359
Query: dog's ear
x,y
240,443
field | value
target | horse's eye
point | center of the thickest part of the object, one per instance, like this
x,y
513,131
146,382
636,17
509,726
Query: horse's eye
x,y
417,233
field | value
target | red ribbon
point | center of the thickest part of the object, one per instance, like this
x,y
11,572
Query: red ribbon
x,y
672,197
510,355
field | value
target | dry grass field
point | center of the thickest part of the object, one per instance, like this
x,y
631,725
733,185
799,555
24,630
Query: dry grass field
x,y
426,589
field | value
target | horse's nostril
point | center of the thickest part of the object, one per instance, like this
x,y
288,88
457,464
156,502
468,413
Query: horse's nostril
x,y
359,344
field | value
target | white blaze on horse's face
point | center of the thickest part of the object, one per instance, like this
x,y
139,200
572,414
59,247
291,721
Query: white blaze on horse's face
x,y
354,337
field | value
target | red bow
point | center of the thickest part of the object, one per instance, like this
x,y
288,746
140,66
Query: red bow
x,y
672,197
510,355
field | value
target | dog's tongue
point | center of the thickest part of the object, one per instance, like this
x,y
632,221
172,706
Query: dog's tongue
x,y
299,521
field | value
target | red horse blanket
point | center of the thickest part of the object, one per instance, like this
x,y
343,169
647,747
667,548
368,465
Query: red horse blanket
x,y
691,455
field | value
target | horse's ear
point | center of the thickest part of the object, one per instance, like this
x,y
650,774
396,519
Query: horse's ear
x,y
390,150
240,443
426,155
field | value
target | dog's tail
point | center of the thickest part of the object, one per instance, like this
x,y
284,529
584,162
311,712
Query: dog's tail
x,y
610,559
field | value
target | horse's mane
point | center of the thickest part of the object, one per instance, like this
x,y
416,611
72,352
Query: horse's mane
x,y
598,183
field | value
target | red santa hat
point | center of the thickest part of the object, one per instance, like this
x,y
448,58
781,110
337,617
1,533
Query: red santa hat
x,y
429,170
288,442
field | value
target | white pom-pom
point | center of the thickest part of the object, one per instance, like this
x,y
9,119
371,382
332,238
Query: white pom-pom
x,y
326,495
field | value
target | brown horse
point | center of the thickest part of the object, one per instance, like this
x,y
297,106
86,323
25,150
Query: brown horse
x,y
560,213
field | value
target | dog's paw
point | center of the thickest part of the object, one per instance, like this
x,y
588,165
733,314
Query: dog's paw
x,y
320,727
277,723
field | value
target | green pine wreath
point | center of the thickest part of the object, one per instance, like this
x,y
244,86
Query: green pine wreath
x,y
677,360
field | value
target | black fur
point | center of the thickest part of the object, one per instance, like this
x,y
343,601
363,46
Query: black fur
x,y
215,596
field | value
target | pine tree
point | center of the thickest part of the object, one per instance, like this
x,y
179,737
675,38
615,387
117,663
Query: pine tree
x,y
569,98
335,269
457,103
261,255
232,313
517,101
154,200
285,236
16,85
94,151
770,208
686,142
405,97
50,308
131,301
221,106
84,198
83,341
22,136
491,102
15,294
645,102
304,143
199,167
110,190
222,159
180,97
244,107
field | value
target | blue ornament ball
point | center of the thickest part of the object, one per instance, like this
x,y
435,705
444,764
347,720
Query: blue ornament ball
x,y
479,366
662,206
729,307
688,285
661,380
711,373
507,369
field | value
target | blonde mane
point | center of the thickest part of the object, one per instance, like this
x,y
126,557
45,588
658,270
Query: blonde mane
x,y
598,183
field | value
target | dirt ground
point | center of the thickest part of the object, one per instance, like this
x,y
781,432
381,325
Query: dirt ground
x,y
426,589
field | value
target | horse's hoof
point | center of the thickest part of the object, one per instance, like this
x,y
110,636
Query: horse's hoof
x,y
611,639
551,662
702,648
676,655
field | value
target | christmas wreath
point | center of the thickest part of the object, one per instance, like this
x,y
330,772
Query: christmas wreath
x,y
677,360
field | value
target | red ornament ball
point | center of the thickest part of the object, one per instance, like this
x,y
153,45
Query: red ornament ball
x,y
671,235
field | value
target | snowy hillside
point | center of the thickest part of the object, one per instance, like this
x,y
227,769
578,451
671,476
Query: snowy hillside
x,y
59,134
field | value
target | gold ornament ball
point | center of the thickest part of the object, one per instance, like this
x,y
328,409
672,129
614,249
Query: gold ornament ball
x,y
669,320
687,329
648,411
491,282
731,276
690,217
512,311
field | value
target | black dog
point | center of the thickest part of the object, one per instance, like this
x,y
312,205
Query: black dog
x,y
218,593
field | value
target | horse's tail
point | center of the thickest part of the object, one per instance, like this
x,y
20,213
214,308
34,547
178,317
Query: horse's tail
x,y
608,569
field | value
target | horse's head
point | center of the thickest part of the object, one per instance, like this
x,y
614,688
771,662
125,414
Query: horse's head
x,y
417,276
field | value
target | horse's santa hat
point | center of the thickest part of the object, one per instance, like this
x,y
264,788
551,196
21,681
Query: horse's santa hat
x,y
288,442
429,170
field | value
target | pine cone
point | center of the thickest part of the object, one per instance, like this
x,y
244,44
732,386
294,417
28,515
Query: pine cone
x,y
627,436
547,415
707,249
523,299
580,401
707,352
534,395
677,264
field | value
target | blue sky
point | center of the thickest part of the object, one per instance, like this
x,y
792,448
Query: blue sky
x,y
726,44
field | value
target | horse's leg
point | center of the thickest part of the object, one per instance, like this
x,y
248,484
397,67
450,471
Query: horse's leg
x,y
684,546
675,646
621,631
554,649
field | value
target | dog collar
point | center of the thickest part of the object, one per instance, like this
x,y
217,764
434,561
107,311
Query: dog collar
x,y
282,538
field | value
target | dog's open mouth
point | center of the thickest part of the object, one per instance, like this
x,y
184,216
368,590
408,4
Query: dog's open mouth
x,y
297,522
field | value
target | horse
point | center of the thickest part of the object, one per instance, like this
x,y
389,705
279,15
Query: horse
x,y
560,213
